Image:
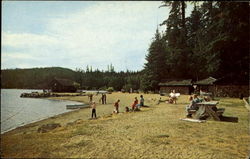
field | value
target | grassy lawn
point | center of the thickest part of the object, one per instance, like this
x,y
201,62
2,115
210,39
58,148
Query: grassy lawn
x,y
154,132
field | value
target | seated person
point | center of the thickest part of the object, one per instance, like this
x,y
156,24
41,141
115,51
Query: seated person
x,y
127,109
207,98
173,96
196,99
170,100
193,105
134,103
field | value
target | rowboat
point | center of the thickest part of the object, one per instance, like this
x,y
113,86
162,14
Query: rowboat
x,y
77,106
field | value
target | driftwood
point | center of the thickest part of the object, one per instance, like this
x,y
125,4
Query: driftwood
x,y
193,120
48,127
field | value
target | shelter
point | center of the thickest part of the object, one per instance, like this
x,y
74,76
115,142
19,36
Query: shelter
x,y
232,87
63,85
180,86
206,85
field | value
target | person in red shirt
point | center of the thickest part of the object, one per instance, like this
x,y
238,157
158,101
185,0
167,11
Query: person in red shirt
x,y
135,103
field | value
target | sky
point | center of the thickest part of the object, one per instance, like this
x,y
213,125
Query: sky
x,y
77,33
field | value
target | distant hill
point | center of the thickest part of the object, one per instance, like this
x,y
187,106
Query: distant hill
x,y
34,78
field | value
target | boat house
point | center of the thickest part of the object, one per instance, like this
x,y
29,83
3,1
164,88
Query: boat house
x,y
180,86
63,85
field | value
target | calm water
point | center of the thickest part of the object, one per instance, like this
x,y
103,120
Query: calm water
x,y
16,111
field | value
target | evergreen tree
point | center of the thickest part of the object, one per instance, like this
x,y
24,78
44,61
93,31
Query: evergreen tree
x,y
155,67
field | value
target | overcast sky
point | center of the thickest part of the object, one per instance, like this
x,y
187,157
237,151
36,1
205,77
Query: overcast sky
x,y
76,34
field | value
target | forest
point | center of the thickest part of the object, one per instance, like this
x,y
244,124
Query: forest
x,y
212,41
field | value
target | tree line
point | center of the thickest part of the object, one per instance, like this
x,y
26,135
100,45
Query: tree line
x,y
212,41
40,78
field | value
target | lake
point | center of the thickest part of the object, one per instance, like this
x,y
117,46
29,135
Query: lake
x,y
16,111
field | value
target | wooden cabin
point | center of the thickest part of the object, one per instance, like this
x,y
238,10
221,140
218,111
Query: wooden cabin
x,y
180,86
224,87
63,85
206,85
232,87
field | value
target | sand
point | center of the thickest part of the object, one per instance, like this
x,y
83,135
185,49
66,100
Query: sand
x,y
154,132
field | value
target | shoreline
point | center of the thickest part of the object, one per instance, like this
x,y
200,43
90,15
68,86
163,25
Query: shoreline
x,y
41,119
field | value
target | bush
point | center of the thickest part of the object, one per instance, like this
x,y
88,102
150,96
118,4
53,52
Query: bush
x,y
110,89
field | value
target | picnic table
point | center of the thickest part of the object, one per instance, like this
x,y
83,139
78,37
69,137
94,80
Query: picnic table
x,y
207,109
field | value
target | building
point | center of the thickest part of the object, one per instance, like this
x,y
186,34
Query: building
x,y
206,85
180,86
229,87
224,87
63,85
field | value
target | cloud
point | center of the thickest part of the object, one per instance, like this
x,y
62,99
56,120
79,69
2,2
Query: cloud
x,y
27,40
100,34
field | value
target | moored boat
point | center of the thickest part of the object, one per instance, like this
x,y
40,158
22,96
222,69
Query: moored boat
x,y
77,106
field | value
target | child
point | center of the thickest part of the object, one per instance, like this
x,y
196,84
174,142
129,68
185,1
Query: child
x,y
141,101
116,105
135,103
93,106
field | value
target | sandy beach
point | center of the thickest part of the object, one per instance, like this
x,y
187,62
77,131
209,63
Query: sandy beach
x,y
154,132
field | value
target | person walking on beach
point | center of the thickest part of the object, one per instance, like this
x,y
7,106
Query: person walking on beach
x,y
116,105
93,106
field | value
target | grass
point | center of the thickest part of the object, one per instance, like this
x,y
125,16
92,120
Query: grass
x,y
154,132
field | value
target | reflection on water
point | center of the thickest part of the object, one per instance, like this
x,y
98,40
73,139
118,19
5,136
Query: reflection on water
x,y
16,111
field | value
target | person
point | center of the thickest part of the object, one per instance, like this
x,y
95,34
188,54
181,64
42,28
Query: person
x,y
135,103
116,105
141,101
90,97
127,109
93,106
173,97
207,98
196,99
105,98
193,104
102,98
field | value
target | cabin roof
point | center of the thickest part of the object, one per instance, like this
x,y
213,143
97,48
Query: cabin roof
x,y
65,82
187,82
235,80
207,81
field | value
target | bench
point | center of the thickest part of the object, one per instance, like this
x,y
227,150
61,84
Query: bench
x,y
192,111
220,111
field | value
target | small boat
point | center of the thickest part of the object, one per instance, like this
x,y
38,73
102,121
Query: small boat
x,y
77,106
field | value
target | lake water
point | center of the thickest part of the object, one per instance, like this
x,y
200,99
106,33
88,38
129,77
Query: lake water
x,y
16,111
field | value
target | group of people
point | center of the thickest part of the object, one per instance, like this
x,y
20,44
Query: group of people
x,y
193,105
134,107
103,98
